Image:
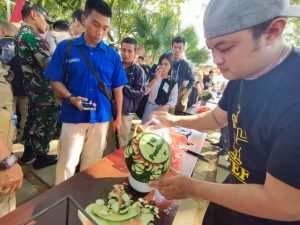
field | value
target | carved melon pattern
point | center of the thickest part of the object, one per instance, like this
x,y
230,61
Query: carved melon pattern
x,y
140,168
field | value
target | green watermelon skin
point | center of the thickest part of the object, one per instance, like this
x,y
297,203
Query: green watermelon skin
x,y
141,219
141,169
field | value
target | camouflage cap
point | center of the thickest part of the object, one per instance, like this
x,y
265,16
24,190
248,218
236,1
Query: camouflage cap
x,y
40,9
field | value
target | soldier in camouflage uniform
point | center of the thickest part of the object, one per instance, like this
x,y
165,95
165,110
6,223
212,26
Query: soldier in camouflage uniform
x,y
34,56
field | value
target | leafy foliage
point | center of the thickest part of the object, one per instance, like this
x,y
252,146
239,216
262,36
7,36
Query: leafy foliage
x,y
69,4
293,29
60,9
154,32
123,18
193,52
3,12
125,13
295,2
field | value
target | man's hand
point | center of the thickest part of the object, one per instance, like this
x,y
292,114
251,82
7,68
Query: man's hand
x,y
177,187
76,101
163,118
117,124
10,180
183,92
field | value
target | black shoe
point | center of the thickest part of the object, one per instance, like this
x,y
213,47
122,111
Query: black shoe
x,y
28,157
43,161
216,144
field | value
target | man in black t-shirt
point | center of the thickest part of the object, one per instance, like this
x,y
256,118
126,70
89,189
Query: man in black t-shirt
x,y
261,107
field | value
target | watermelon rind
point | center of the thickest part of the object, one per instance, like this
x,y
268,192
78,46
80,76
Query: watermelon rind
x,y
113,216
142,217
142,169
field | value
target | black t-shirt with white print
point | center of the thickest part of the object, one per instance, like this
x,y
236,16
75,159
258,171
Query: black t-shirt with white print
x,y
264,126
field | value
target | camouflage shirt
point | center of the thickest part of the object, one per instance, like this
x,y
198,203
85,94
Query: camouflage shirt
x,y
34,55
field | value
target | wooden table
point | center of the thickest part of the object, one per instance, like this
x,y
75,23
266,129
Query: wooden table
x,y
96,182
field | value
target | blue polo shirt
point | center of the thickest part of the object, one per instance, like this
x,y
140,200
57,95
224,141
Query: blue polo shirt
x,y
81,81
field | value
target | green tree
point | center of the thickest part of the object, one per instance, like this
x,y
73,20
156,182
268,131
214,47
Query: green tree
x,y
126,11
193,53
154,32
60,9
293,29
295,2
123,18
57,8
3,12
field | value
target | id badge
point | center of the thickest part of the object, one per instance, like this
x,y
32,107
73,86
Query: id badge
x,y
166,87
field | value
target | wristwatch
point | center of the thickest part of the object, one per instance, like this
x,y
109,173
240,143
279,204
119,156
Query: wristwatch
x,y
68,99
8,162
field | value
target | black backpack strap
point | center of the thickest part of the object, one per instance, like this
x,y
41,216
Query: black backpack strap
x,y
101,84
67,58
102,88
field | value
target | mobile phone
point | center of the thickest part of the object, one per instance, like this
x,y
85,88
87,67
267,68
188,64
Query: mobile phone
x,y
88,106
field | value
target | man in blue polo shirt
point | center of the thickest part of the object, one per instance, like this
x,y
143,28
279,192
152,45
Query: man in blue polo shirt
x,y
84,131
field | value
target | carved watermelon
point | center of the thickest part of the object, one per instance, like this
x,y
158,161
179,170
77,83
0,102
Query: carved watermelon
x,y
148,157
